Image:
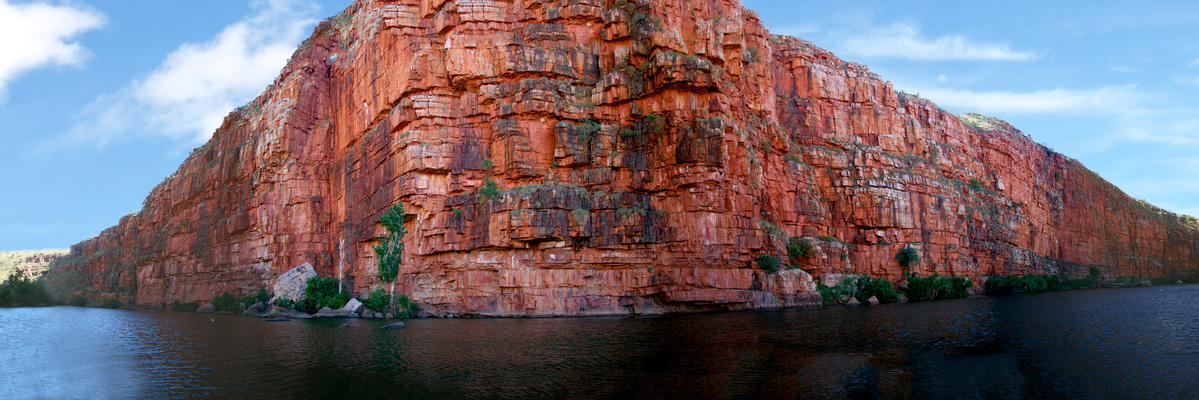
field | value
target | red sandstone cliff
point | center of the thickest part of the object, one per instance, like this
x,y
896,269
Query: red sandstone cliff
x,y
645,152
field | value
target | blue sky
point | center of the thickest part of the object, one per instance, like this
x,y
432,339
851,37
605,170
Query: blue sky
x,y
101,99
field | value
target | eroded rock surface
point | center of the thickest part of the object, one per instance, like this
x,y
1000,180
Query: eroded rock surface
x,y
643,154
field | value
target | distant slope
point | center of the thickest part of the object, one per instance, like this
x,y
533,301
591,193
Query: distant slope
x,y
33,262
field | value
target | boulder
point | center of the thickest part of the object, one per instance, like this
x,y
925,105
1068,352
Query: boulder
x,y
353,306
853,302
256,310
326,312
397,325
1146,283
206,309
293,314
873,300
291,284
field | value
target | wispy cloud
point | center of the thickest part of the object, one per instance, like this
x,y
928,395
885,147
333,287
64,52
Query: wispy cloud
x,y
1124,69
904,41
1186,80
1045,101
1193,64
39,34
189,94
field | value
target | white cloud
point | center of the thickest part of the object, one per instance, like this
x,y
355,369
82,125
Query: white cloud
x,y
187,97
903,41
1187,80
1124,69
1193,64
37,34
1056,100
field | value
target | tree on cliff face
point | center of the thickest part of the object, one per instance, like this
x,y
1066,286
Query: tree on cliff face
x,y
390,250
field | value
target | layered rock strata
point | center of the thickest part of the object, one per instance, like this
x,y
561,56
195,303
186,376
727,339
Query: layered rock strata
x,y
606,157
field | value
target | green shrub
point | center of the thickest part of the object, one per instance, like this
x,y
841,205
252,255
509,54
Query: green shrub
x,y
799,249
1088,282
587,128
490,190
1163,281
21,291
1041,283
769,263
975,184
831,295
111,303
1002,285
834,295
936,287
285,303
262,296
880,288
322,292
226,302
907,257
78,301
378,300
176,306
406,307
654,123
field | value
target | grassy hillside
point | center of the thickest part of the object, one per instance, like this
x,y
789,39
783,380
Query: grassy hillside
x,y
33,262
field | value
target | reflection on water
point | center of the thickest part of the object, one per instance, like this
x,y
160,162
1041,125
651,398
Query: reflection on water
x,y
1130,343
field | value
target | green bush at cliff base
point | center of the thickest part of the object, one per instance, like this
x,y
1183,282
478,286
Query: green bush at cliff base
x,y
1006,284
1042,283
322,292
936,287
226,302
405,307
879,288
861,288
176,306
1001,285
262,296
830,295
769,263
111,303
378,300
78,301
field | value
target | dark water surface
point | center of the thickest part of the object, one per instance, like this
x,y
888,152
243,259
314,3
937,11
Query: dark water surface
x,y
1127,343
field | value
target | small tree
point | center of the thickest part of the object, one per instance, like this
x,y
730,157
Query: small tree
x,y
769,263
908,257
390,251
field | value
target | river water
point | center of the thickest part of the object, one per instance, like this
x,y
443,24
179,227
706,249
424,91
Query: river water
x,y
1126,343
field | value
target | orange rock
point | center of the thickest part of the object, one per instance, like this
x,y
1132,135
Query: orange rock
x,y
644,156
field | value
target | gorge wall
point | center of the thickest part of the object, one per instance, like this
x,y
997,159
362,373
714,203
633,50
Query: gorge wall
x,y
606,157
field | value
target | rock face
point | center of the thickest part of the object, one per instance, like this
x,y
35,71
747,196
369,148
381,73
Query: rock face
x,y
606,157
